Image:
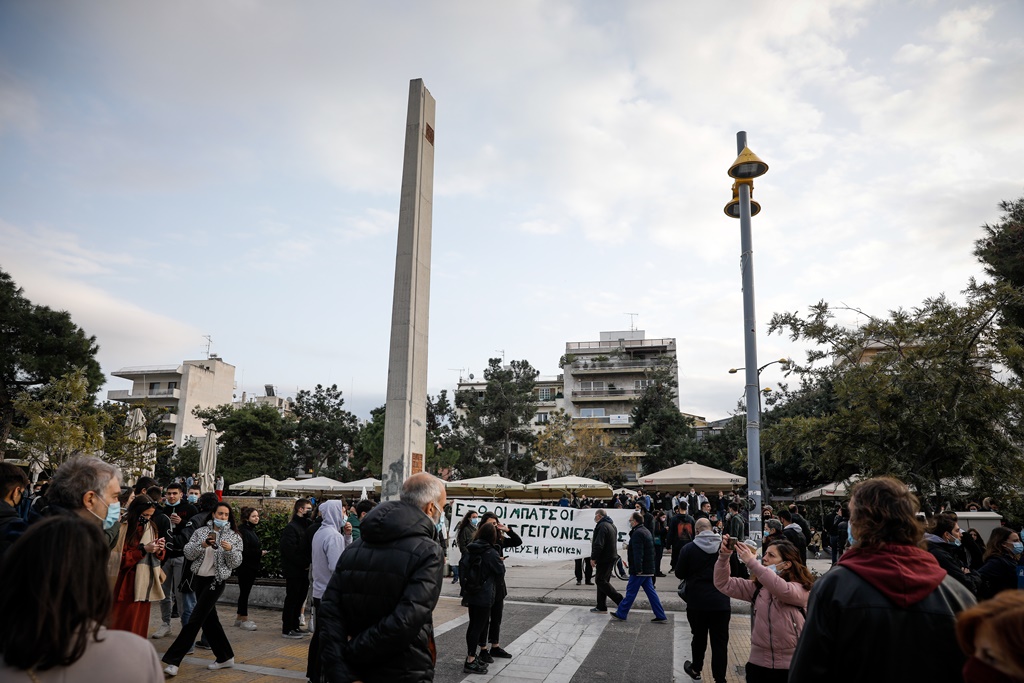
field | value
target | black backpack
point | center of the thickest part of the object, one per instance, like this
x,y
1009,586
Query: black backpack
x,y
472,575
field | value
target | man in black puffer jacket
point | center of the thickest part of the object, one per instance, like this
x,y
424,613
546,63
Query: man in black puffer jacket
x,y
376,616
604,552
295,567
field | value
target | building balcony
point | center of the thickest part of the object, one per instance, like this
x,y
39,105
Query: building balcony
x,y
169,419
594,346
608,421
584,367
549,402
606,395
144,395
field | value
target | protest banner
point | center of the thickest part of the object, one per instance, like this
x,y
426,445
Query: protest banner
x,y
549,533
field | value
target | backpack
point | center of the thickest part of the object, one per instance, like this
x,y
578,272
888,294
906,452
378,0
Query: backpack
x,y
472,576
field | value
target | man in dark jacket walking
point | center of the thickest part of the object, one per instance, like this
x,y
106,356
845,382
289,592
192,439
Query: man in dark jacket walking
x,y
641,571
707,609
604,552
375,617
884,590
295,567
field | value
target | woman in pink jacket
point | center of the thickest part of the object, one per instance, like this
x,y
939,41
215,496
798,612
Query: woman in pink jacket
x,y
778,590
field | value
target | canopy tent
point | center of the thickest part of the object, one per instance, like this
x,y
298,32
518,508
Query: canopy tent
x,y
628,492
692,474
551,489
368,484
312,485
208,461
834,491
263,483
482,486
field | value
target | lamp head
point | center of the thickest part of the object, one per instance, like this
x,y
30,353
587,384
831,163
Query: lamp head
x,y
747,165
732,209
733,371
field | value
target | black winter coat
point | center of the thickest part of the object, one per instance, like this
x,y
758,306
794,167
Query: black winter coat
x,y
852,630
382,596
604,545
949,561
999,573
641,551
697,568
252,550
493,572
177,535
293,562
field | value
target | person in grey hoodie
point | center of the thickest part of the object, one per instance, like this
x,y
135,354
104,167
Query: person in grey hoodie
x,y
707,609
329,542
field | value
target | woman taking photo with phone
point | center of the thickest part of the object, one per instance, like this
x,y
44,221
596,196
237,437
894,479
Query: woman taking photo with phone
x,y
139,552
777,590
214,550
506,538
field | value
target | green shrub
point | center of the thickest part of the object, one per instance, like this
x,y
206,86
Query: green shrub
x,y
269,530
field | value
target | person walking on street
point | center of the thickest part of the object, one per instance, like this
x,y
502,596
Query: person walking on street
x,y
707,609
777,590
641,572
604,552
295,567
887,600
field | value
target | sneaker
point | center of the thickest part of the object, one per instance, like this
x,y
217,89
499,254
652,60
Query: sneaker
x,y
302,621
191,650
485,657
203,646
162,632
615,615
688,668
455,579
474,667
590,583
170,670
174,613
660,621
226,664
496,651
293,634
247,626
579,582
598,611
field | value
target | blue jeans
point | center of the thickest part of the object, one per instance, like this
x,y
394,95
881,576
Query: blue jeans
x,y
633,587
174,569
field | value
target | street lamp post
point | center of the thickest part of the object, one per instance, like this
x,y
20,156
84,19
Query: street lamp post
x,y
765,489
747,167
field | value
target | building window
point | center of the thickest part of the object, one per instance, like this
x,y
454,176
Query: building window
x,y
172,385
542,418
643,383
592,386
545,394
154,386
592,412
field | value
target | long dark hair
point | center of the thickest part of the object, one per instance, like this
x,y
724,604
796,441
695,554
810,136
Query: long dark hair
x,y
135,510
488,533
995,543
465,519
231,515
56,593
245,513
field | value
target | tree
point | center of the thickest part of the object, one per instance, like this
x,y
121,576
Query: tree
x,y
252,441
916,394
444,441
1001,252
368,458
38,344
499,420
324,432
60,421
659,429
133,455
573,447
186,459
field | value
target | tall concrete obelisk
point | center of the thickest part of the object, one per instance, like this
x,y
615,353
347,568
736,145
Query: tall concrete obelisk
x,y
405,422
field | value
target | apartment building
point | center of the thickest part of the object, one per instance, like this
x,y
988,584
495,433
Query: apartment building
x,y
548,392
179,388
285,405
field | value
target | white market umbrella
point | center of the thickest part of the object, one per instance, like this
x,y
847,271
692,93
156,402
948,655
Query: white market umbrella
x,y
313,485
363,495
838,490
263,483
553,488
361,485
628,492
491,486
208,461
150,468
136,427
692,474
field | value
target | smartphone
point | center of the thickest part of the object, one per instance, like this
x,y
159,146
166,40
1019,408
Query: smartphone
x,y
731,544
212,538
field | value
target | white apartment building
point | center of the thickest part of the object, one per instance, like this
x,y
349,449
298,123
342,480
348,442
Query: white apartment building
x,y
180,388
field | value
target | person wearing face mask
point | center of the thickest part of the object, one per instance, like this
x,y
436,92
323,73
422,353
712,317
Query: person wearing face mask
x,y
13,484
885,590
140,549
192,497
376,615
252,556
295,567
177,511
943,537
991,634
507,538
999,571
215,550
777,590
464,532
88,487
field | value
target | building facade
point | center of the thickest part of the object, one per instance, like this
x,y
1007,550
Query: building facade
x,y
180,389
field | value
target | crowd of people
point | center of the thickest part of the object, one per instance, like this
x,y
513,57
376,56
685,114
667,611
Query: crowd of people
x,y
90,557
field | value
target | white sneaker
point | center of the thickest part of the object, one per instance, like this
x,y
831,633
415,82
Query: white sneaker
x,y
171,670
226,664
162,632
247,626
239,622
302,621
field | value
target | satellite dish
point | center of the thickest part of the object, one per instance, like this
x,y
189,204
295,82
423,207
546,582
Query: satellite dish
x,y
471,375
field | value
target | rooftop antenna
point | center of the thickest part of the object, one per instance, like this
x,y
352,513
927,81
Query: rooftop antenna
x,y
632,321
502,352
461,370
209,343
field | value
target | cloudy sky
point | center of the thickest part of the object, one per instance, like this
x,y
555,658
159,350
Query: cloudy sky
x,y
232,169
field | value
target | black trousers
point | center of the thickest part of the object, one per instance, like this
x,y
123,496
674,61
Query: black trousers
x,y
659,553
760,674
583,568
245,582
494,627
294,595
716,624
605,589
479,616
204,616
313,657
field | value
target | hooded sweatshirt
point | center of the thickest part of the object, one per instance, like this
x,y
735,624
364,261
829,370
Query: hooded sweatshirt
x,y
696,566
328,544
904,574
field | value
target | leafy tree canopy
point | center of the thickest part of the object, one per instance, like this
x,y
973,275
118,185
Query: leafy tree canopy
x,y
324,433
573,447
368,458
659,429
252,441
